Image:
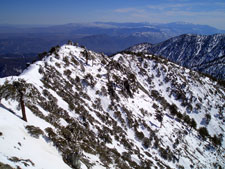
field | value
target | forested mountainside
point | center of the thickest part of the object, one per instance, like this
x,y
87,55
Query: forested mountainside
x,y
197,52
86,110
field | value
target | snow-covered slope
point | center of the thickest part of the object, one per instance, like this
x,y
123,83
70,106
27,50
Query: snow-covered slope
x,y
128,111
198,52
18,148
140,48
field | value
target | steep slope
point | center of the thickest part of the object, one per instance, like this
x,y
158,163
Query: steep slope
x,y
179,28
19,149
140,48
128,111
198,52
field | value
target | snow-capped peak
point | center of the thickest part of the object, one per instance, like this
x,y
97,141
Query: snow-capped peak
x,y
85,109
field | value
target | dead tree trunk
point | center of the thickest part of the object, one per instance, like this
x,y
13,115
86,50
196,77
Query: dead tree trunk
x,y
24,117
86,59
86,56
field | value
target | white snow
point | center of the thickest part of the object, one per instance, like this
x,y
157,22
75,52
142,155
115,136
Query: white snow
x,y
16,142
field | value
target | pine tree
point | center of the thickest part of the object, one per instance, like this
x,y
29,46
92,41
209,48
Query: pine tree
x,y
193,123
86,54
17,90
208,118
159,117
203,132
216,140
19,87
70,42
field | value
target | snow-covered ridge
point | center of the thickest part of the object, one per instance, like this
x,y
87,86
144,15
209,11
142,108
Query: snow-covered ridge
x,y
198,52
128,111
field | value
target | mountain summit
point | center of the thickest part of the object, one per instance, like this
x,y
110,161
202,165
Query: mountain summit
x,y
86,110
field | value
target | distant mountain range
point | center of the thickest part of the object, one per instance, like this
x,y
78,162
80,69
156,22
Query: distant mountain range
x,y
21,44
197,52
107,37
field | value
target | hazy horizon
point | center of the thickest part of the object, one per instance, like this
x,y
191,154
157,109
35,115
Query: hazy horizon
x,y
57,12
94,22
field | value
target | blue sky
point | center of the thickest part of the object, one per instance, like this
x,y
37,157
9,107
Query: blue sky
x,y
210,12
